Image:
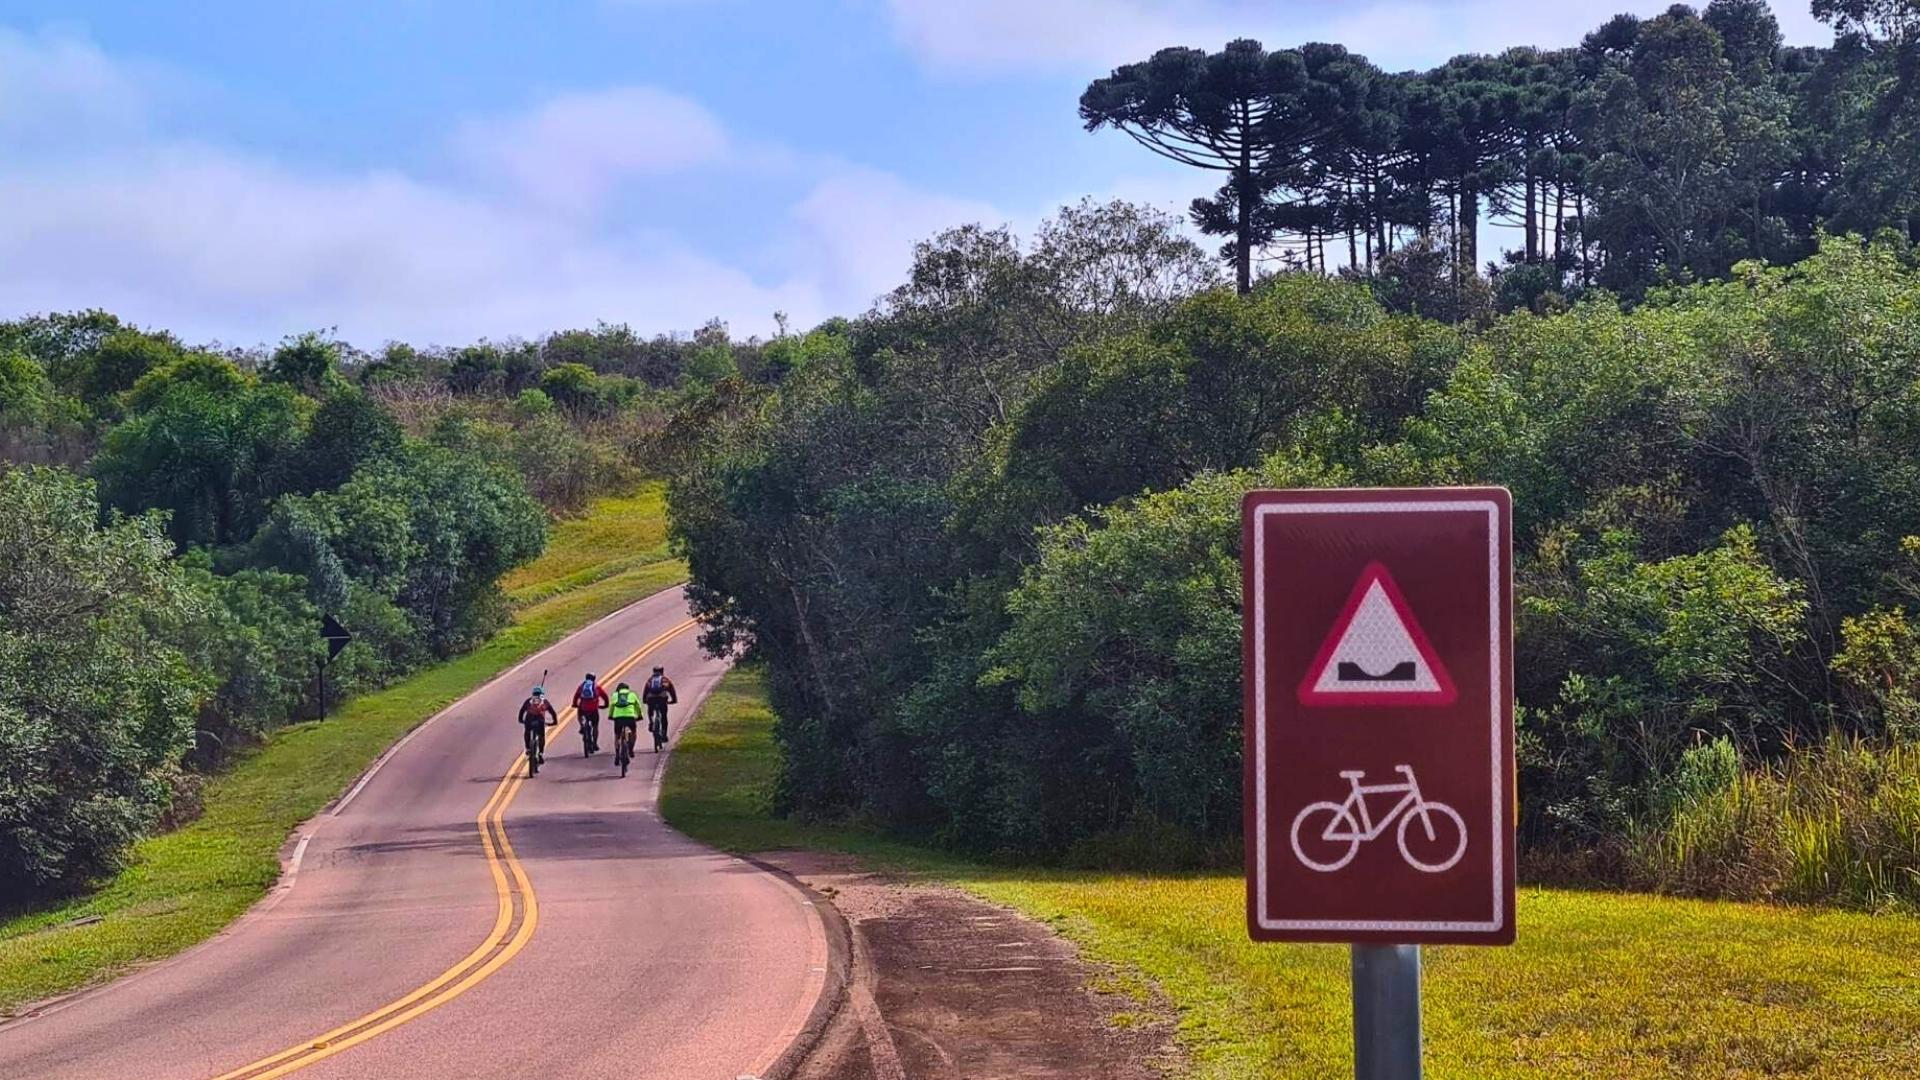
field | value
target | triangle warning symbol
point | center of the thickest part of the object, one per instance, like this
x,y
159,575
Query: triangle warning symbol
x,y
1376,653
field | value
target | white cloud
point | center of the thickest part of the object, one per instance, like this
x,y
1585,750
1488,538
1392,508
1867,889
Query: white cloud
x,y
1091,36
217,245
55,87
860,226
571,151
220,244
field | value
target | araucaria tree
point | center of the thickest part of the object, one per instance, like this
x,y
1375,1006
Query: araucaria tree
x,y
1243,111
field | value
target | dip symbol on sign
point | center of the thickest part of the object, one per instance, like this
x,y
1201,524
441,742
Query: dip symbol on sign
x,y
1376,653
1334,831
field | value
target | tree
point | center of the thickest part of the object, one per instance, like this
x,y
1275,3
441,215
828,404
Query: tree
x,y
309,363
711,358
1685,151
1461,120
38,424
115,365
84,615
1123,649
254,636
57,340
1216,384
469,520
348,430
210,445
557,463
1869,91
1243,111
1749,35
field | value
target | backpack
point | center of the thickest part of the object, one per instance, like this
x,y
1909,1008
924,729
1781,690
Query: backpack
x,y
657,686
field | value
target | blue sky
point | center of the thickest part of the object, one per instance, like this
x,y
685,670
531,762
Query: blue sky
x,y
440,171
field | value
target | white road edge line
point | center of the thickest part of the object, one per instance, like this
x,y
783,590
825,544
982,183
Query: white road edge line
x,y
299,852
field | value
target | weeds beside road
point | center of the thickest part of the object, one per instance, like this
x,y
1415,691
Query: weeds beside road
x,y
1599,984
183,886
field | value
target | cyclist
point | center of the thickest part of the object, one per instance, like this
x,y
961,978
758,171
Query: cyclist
x,y
625,713
658,694
588,700
536,716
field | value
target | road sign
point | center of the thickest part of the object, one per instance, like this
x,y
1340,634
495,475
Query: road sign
x,y
336,636
1379,715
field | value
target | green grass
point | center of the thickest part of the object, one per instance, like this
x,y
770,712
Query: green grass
x,y
617,534
183,886
1599,984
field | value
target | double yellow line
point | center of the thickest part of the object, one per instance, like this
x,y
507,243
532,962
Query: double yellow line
x,y
508,937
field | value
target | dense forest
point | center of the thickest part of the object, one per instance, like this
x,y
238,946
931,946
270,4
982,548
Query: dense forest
x,y
1657,151
985,539
181,518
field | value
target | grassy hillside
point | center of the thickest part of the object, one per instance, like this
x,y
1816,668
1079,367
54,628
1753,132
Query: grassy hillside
x,y
1599,984
183,886
617,535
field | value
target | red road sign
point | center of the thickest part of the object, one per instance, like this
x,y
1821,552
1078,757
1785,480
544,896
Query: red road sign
x,y
1379,715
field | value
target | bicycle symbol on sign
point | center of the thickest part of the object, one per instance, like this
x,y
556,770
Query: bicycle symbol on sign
x,y
1349,824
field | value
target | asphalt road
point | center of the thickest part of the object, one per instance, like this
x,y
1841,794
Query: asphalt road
x,y
451,919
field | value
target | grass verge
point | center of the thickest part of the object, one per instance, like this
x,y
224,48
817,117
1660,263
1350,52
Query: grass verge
x,y
181,887
616,535
1599,985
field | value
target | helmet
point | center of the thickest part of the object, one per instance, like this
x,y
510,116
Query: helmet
x,y
539,691
622,686
658,670
589,676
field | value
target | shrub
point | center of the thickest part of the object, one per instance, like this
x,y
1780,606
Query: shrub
x,y
1656,656
256,640
562,467
1838,823
1881,664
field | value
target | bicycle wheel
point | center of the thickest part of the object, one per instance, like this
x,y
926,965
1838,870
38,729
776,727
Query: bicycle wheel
x,y
1331,834
1444,835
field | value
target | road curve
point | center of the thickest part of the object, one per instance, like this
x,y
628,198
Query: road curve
x,y
451,919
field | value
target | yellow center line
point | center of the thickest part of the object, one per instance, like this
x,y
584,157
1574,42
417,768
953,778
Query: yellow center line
x,y
499,851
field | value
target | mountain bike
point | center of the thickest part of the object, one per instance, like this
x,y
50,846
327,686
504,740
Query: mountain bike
x,y
657,725
536,745
589,733
623,739
1336,830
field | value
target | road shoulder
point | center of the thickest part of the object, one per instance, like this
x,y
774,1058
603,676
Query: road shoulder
x,y
945,985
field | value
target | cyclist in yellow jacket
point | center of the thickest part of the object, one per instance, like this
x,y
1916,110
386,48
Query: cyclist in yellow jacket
x,y
624,711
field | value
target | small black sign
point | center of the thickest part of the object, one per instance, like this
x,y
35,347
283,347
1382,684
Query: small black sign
x,y
336,636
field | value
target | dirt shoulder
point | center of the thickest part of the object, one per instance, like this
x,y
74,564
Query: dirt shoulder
x,y
945,985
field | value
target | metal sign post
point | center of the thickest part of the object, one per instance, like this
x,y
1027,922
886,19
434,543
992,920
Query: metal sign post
x,y
1379,791
1386,1012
